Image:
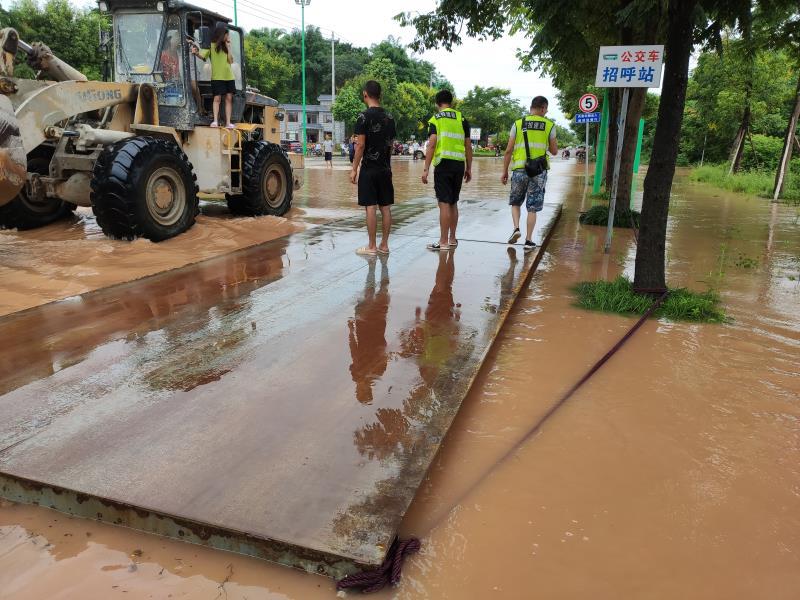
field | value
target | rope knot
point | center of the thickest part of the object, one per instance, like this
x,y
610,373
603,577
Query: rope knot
x,y
387,574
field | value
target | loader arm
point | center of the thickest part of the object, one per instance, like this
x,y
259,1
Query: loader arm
x,y
43,109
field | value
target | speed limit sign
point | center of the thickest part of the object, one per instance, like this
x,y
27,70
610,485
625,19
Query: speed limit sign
x,y
588,103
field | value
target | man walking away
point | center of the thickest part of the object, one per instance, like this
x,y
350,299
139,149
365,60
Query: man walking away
x,y
375,132
328,146
540,134
451,154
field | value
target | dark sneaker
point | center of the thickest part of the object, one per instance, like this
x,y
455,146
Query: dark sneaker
x,y
514,236
529,246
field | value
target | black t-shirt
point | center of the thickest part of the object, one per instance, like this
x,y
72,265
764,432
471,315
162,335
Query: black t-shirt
x,y
448,164
378,127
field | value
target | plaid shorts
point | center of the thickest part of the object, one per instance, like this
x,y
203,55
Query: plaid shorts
x,y
530,189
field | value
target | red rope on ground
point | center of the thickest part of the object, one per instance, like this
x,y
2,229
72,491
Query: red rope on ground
x,y
388,573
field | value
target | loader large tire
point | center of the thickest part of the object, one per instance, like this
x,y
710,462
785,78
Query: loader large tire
x,y
28,213
144,187
267,182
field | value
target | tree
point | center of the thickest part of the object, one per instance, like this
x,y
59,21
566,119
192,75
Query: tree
x,y
492,109
267,70
72,34
412,107
649,275
347,106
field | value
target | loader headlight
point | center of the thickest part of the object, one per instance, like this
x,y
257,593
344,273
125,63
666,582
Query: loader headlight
x,y
160,6
279,116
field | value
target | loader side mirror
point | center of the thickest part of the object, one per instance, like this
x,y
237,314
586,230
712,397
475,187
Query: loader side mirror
x,y
204,36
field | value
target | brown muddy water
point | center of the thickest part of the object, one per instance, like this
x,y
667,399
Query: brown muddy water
x,y
672,474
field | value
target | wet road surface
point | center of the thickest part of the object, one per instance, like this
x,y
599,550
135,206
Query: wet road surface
x,y
222,395
673,473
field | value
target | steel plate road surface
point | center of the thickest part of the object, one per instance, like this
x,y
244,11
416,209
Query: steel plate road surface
x,y
284,401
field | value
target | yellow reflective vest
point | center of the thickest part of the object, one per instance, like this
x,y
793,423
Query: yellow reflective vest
x,y
449,136
537,129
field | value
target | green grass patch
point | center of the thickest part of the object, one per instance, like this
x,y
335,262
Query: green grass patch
x,y
598,215
604,196
618,297
754,183
484,153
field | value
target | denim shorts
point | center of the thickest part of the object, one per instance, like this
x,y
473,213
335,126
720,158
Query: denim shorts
x,y
530,189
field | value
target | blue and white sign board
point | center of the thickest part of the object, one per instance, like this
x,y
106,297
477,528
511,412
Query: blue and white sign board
x,y
629,66
587,118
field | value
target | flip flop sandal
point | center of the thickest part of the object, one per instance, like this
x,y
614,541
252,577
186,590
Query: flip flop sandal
x,y
437,246
365,251
454,244
384,252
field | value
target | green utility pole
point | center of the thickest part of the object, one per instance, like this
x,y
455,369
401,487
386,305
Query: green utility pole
x,y
303,4
602,141
636,158
235,19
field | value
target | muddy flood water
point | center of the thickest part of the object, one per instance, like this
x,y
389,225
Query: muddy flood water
x,y
673,473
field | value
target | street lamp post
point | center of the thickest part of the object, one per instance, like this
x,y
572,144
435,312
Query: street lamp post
x,y
303,4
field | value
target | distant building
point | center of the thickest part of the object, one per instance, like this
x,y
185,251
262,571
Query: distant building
x,y
320,121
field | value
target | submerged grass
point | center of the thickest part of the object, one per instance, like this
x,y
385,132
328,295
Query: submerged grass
x,y
680,305
598,215
756,183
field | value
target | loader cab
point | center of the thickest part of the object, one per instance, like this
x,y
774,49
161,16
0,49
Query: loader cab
x,y
151,45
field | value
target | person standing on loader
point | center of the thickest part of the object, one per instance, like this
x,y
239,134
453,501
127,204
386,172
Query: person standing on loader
x,y
452,160
375,132
529,163
223,83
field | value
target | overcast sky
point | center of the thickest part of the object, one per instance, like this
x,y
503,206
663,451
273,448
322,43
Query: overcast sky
x,y
365,23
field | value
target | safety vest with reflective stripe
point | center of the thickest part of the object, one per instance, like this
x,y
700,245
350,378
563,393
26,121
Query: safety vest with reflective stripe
x,y
538,131
449,135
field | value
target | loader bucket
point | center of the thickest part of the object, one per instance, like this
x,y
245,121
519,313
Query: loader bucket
x,y
13,160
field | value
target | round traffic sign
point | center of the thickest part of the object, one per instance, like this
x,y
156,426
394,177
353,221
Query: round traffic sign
x,y
588,103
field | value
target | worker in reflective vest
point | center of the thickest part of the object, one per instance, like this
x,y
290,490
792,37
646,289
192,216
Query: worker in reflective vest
x,y
541,137
450,150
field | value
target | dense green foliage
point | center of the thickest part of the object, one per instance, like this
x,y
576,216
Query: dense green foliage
x,y
618,297
411,104
598,215
492,109
714,105
73,34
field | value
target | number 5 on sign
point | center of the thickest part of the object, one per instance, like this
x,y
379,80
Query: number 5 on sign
x,y
588,103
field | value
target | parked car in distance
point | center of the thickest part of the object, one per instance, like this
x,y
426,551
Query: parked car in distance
x,y
292,146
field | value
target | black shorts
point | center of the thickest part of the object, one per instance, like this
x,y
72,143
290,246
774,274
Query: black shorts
x,y
220,87
447,183
375,187
329,156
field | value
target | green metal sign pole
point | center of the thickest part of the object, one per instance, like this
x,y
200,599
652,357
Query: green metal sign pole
x,y
602,140
303,67
235,19
637,158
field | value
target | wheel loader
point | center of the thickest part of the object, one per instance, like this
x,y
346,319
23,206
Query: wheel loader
x,y
140,149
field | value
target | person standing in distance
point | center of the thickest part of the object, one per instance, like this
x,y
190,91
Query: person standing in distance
x,y
328,146
375,131
448,138
541,136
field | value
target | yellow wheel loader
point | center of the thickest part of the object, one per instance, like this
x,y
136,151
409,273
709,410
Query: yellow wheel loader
x,y
139,150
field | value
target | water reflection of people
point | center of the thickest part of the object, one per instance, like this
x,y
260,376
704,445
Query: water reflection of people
x,y
368,332
434,339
